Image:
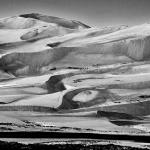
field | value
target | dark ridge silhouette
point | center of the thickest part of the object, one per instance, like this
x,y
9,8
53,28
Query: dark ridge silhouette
x,y
126,122
54,44
60,21
117,115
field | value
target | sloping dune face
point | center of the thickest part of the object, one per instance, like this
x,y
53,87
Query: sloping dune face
x,y
64,67
59,21
17,23
132,42
21,28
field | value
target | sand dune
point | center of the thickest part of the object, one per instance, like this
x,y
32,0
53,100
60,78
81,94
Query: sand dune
x,y
60,21
63,67
113,45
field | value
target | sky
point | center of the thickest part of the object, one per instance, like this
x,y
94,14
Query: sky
x,y
95,13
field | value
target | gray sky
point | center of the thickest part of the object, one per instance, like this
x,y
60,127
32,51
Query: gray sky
x,y
92,12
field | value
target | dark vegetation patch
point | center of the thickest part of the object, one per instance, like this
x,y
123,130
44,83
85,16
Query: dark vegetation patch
x,y
8,124
74,67
19,146
144,96
90,78
54,44
54,84
6,128
54,68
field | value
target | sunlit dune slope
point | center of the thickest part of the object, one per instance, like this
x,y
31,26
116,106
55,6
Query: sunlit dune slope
x,y
64,67
82,48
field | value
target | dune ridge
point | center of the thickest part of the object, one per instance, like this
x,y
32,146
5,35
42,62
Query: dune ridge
x,y
66,68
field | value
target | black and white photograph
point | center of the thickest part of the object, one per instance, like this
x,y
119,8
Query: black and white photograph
x,y
74,74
